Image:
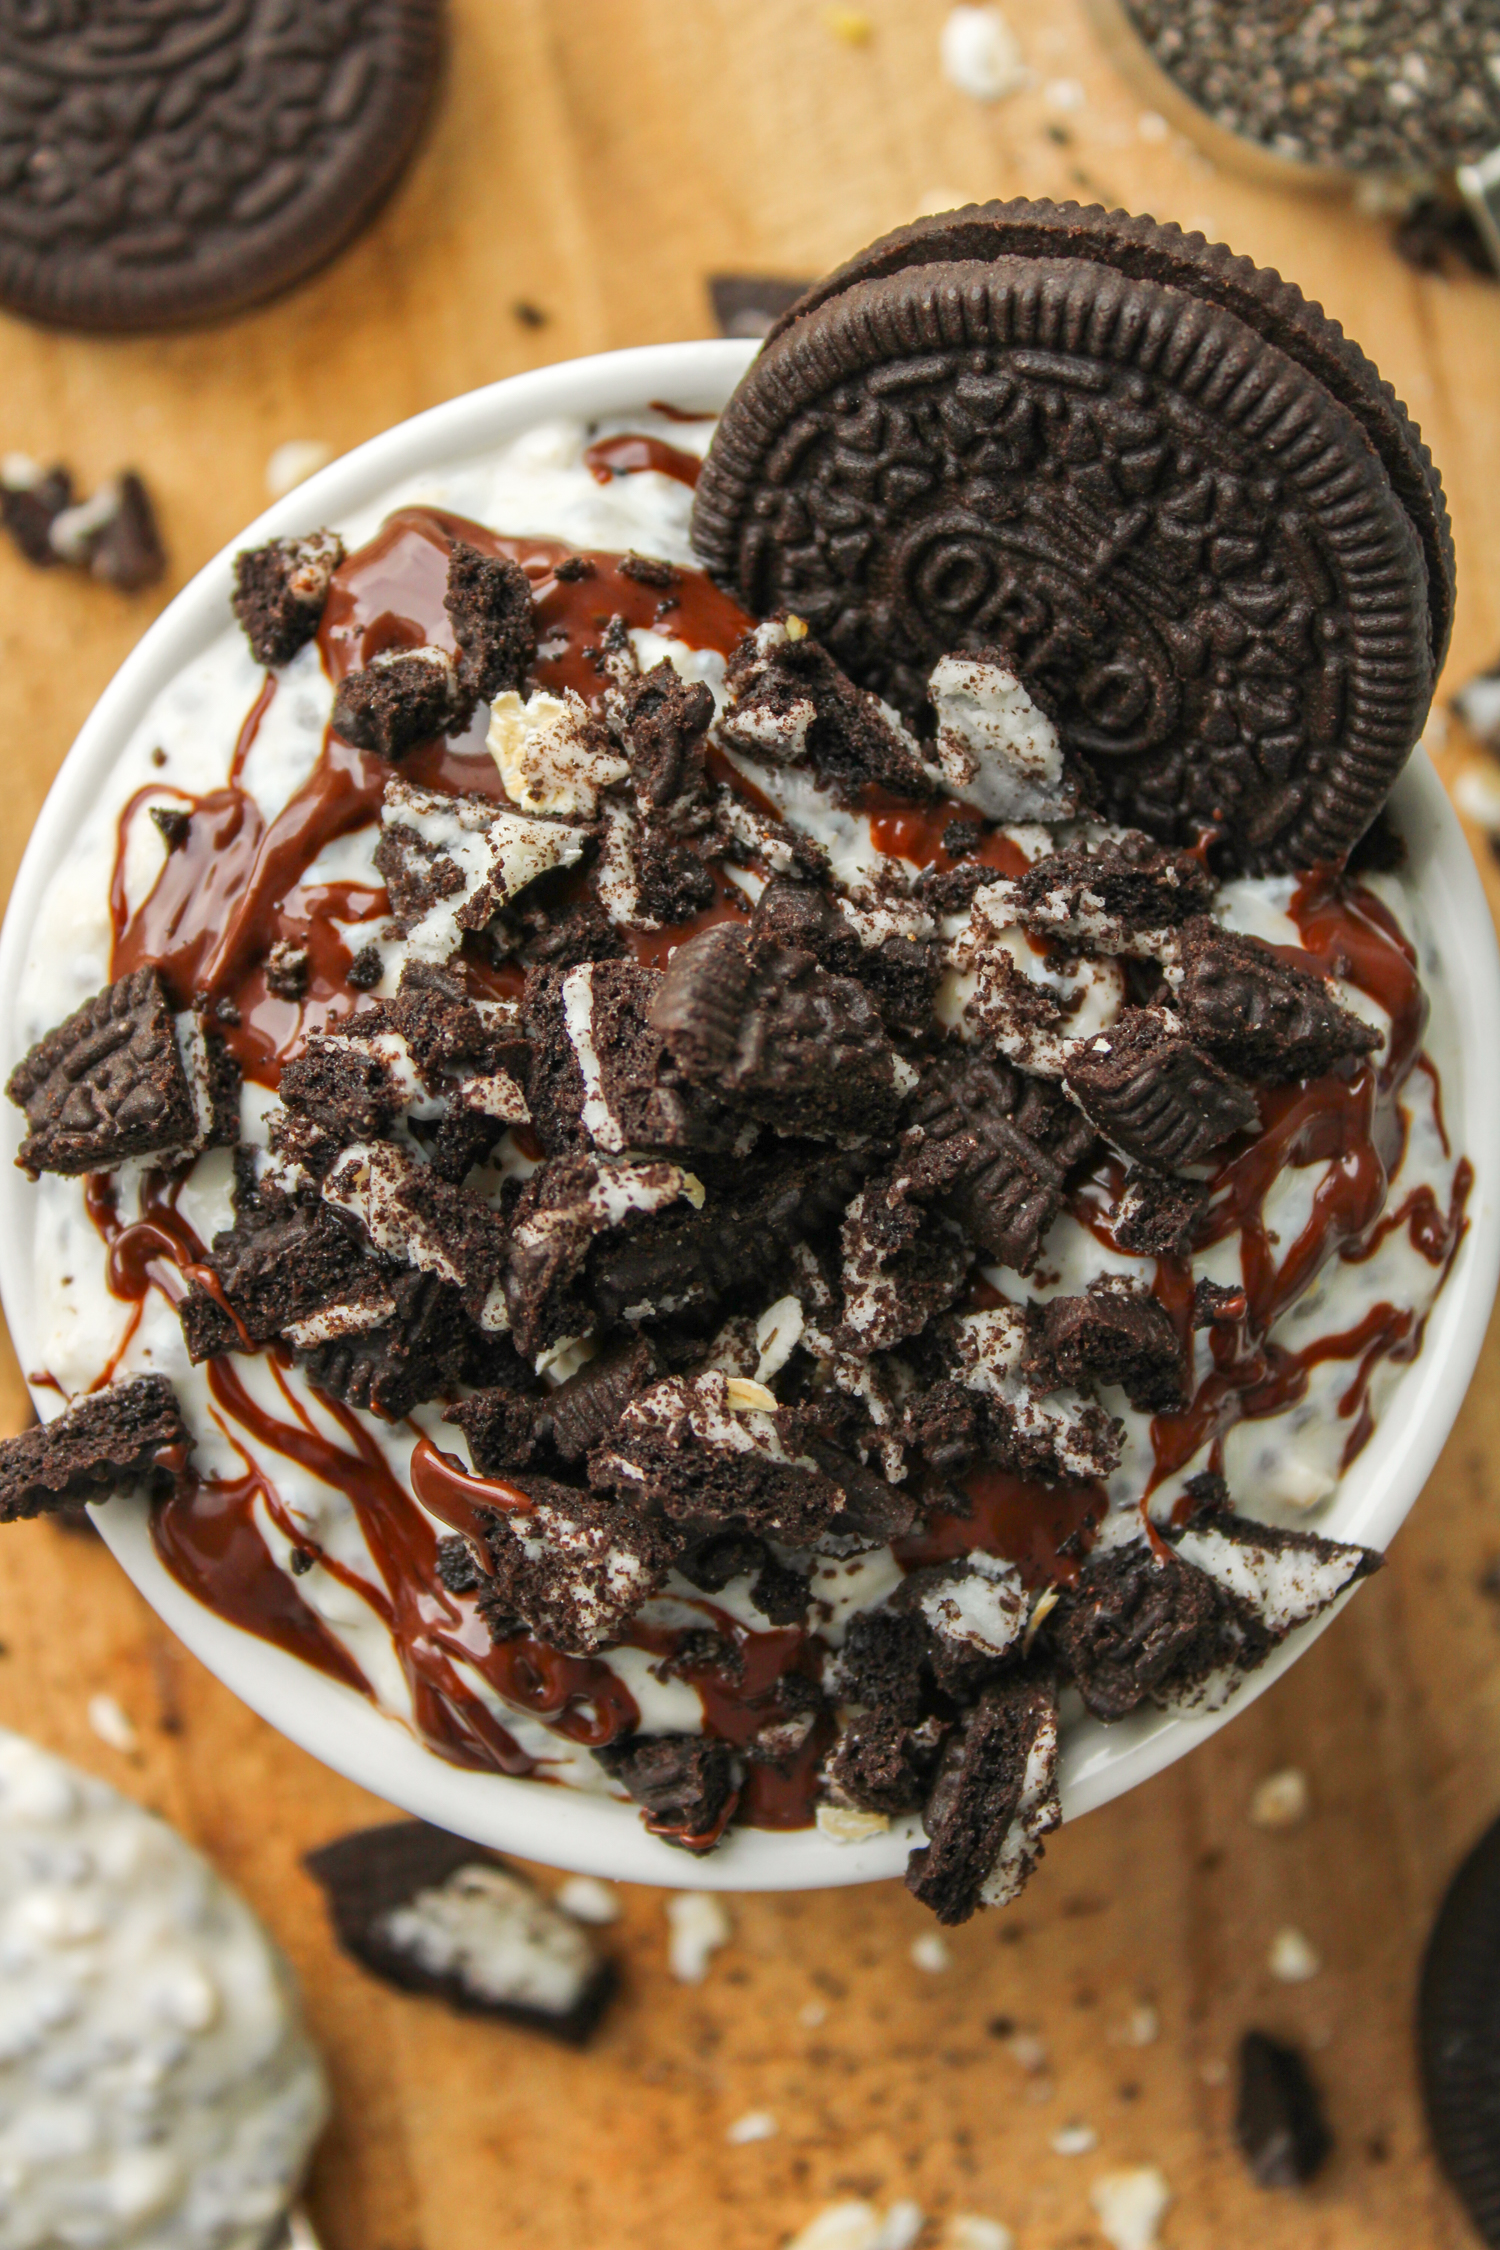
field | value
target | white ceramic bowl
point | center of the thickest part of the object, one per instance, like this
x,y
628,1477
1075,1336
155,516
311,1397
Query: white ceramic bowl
x,y
596,1834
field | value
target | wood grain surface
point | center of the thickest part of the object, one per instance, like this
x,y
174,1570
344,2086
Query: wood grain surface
x,y
596,161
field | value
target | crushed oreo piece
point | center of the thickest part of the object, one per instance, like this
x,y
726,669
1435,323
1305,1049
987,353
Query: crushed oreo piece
x,y
1214,1301
494,621
365,970
789,702
288,969
434,1914
451,864
1019,1140
1278,2117
1269,1581
882,1763
1136,1618
112,1082
681,1450
173,824
280,590
770,1032
457,1567
992,1803
1262,1017
1155,1094
563,1207
424,1350
1113,895
293,1273
1157,1216
401,697
903,1263
633,1095
663,720
572,1567
31,500
1116,1332
114,536
685,1784
130,1435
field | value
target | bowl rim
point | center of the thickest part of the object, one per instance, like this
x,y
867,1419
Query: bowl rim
x,y
575,1829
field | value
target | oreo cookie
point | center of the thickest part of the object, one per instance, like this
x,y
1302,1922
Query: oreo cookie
x,y
1158,482
130,1435
1458,2034
434,1914
172,165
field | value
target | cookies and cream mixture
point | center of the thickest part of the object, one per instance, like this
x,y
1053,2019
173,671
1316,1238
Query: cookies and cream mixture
x,y
690,1233
157,2089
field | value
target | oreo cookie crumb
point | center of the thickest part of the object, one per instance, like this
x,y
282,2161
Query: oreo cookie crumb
x,y
366,969
402,697
1116,1332
436,1915
685,1784
1278,2118
107,1084
1157,1216
1134,1619
127,1436
173,823
1155,1094
288,970
494,621
280,591
992,1803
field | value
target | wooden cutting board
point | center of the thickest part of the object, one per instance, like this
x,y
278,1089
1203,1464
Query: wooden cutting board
x,y
595,162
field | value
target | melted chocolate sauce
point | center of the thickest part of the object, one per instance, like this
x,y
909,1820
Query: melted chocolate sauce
x,y
628,455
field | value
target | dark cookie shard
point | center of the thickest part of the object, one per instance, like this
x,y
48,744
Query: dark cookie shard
x,y
1135,1619
292,1272
1019,1138
341,1088
900,973
682,1450
408,1213
1269,1581
662,719
571,1567
131,1434
31,500
1155,1094
975,1609
1156,1215
1214,1302
1125,888
400,698
112,1082
885,1664
1456,2013
505,1427
425,1349
183,212
1278,2118
994,1799
1115,1333
494,621
453,863
903,1264
565,1205
882,1763
280,590
891,470
770,1032
789,703
630,1092
432,1913
1262,1017
685,1784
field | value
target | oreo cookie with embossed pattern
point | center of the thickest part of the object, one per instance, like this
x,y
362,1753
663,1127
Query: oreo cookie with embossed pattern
x,y
168,161
1176,497
1458,2034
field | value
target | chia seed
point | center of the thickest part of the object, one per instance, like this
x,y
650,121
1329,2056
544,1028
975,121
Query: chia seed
x,y
1369,85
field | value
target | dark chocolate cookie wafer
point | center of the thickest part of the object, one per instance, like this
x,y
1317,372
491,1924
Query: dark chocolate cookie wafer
x,y
175,160
1458,2034
1169,491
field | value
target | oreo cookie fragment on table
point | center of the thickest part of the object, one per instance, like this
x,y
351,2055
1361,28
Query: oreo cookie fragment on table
x,y
828,1167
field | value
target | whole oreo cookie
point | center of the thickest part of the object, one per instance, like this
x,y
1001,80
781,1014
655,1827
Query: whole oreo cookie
x,y
1183,505
1458,2034
165,161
